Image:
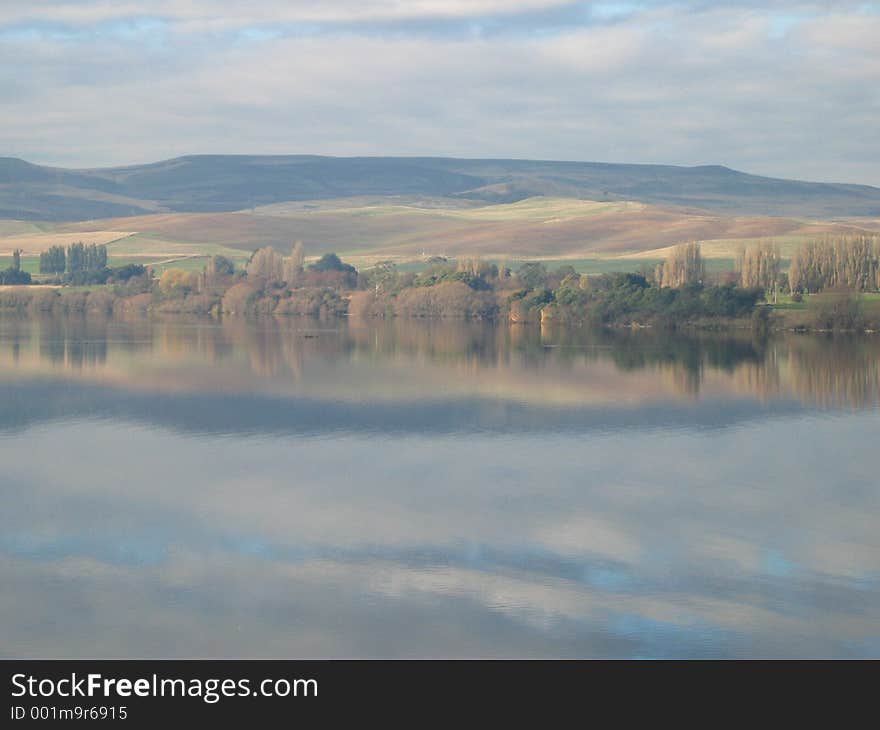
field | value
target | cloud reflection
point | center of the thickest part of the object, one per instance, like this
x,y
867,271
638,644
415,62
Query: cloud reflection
x,y
125,533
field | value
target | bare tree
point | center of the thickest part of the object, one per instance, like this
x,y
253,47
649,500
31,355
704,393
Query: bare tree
x,y
852,262
684,265
758,266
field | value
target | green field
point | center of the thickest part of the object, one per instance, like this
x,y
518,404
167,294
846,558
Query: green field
x,y
786,304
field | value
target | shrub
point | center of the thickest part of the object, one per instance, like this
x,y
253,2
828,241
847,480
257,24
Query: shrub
x,y
177,283
446,299
836,311
44,300
122,274
367,304
136,304
312,302
14,277
84,277
332,262
100,302
238,298
190,304
330,279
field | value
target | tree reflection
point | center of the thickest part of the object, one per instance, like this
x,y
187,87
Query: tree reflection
x,y
425,357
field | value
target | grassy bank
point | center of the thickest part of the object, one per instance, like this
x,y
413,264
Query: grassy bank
x,y
829,311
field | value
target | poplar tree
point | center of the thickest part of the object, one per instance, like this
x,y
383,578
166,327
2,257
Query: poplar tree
x,y
266,266
758,266
683,266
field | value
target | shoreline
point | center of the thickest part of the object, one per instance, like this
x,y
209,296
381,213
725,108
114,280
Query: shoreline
x,y
121,309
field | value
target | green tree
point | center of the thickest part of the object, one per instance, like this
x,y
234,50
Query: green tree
x,y
76,258
382,276
53,261
332,262
532,274
220,266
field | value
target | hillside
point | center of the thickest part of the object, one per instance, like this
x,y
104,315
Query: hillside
x,y
228,183
363,230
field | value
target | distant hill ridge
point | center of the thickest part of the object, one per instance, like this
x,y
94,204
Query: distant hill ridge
x,y
218,183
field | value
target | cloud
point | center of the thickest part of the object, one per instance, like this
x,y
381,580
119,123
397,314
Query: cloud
x,y
787,91
246,12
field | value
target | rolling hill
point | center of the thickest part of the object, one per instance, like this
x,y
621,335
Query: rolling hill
x,y
228,183
368,230
409,209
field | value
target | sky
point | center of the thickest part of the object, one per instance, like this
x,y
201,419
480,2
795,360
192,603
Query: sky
x,y
788,89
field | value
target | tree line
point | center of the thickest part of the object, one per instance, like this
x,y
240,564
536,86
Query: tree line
x,y
676,291
847,262
75,259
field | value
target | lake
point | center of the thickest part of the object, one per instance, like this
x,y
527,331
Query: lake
x,y
304,489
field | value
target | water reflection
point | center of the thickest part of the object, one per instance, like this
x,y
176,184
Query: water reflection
x,y
299,488
403,360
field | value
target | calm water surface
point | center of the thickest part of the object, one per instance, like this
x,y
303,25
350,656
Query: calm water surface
x,y
344,489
